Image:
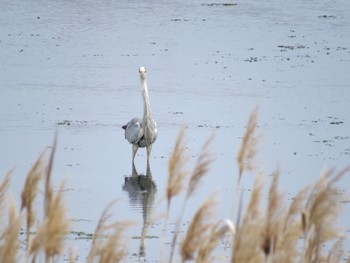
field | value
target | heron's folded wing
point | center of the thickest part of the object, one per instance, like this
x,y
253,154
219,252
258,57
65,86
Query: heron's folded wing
x,y
133,131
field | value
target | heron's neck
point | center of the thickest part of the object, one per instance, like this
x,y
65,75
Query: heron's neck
x,y
147,115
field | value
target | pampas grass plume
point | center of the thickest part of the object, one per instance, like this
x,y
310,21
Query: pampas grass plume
x,y
248,149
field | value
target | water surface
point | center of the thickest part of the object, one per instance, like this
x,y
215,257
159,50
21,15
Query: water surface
x,y
72,66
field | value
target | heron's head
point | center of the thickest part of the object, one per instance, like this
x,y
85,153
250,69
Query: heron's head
x,y
143,72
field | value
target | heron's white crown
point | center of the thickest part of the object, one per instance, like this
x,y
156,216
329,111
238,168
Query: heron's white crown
x,y
142,70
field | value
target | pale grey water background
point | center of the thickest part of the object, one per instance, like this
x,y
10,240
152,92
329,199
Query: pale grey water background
x,y
208,67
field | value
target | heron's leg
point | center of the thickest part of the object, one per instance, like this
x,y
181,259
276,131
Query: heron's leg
x,y
134,171
148,171
149,148
135,147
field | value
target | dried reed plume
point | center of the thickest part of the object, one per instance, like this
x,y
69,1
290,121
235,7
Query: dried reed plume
x,y
248,150
9,232
177,162
273,220
202,167
108,245
246,153
320,215
30,191
9,236
176,177
211,240
197,230
291,229
51,233
3,187
249,230
276,230
200,170
71,256
48,188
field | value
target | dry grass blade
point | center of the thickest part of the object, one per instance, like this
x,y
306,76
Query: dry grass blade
x,y
286,246
72,256
296,207
202,166
320,212
272,220
48,190
113,247
197,229
176,165
248,150
175,183
249,230
30,190
210,242
9,237
253,206
51,233
336,252
323,203
106,215
3,187
274,197
337,176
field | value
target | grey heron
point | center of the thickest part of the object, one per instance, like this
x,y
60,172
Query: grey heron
x,y
142,133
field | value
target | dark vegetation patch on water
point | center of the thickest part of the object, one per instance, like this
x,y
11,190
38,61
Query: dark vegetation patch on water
x,y
327,16
70,122
289,47
81,235
220,4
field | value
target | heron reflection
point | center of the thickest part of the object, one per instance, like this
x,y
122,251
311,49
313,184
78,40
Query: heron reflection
x,y
141,190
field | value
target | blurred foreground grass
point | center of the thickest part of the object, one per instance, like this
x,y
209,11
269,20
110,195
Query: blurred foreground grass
x,y
302,231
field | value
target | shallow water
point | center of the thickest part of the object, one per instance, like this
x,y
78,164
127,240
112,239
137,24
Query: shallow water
x,y
72,66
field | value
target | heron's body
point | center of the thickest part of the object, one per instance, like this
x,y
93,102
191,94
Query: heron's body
x,y
142,133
